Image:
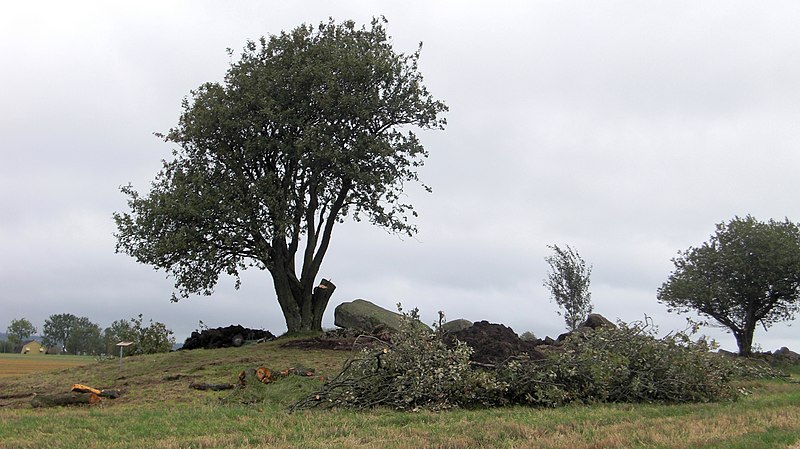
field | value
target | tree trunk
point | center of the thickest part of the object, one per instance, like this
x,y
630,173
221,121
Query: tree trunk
x,y
302,310
744,340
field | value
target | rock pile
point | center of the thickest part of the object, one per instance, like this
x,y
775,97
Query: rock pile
x,y
494,343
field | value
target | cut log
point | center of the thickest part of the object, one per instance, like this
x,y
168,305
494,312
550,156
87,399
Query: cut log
x,y
265,375
110,393
79,388
301,371
16,395
103,393
63,399
213,387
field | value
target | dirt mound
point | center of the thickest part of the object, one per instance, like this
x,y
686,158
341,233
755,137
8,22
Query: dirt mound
x,y
494,343
491,343
341,339
223,337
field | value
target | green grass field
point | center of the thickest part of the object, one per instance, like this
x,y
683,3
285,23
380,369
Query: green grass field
x,y
158,411
18,364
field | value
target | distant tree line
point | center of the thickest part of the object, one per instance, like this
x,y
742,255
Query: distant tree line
x,y
66,333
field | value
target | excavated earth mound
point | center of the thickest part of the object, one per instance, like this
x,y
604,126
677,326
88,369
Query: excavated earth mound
x,y
223,337
494,343
339,339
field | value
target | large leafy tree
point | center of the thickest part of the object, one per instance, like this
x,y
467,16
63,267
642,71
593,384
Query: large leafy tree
x,y
72,334
84,338
57,329
568,281
19,330
309,127
120,330
747,273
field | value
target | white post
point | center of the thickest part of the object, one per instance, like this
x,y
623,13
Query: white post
x,y
122,345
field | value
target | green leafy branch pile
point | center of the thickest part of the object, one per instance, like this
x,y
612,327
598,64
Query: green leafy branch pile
x,y
417,370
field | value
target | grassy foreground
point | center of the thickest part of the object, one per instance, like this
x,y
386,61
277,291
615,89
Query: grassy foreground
x,y
158,410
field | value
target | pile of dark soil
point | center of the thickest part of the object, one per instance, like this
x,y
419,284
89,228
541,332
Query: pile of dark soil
x,y
223,337
494,343
341,339
491,343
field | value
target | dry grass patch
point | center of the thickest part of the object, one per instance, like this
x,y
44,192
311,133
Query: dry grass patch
x,y
18,364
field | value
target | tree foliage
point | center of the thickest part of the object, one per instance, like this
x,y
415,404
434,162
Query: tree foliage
x,y
84,338
57,329
72,334
415,370
747,273
120,330
568,282
309,127
19,330
150,339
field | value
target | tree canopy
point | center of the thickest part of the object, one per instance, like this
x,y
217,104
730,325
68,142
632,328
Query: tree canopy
x,y
308,127
75,335
57,329
150,339
19,330
568,281
747,273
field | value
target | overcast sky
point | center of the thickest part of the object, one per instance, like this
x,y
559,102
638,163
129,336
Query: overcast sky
x,y
626,129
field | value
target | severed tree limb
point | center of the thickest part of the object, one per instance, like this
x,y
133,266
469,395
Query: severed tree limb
x,y
212,387
62,399
16,395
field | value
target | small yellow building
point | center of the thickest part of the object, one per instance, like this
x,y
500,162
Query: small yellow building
x,y
32,347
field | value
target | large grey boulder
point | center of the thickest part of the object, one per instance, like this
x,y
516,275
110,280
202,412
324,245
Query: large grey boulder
x,y
456,325
595,320
787,354
365,316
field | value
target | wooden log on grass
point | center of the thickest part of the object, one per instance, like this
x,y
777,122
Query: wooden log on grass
x,y
64,399
266,376
103,393
261,374
212,387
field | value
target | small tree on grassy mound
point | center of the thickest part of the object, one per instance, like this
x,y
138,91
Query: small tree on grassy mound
x,y
308,128
568,282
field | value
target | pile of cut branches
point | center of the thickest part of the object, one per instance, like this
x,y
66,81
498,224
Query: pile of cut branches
x,y
416,369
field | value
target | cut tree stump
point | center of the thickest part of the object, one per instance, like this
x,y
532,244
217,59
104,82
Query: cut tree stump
x,y
63,399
